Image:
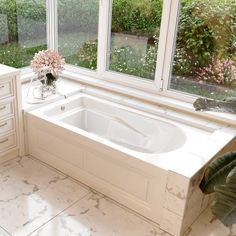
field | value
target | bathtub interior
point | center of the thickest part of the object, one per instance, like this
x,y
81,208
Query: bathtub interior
x,y
122,126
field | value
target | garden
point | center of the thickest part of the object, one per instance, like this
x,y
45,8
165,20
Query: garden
x,y
204,61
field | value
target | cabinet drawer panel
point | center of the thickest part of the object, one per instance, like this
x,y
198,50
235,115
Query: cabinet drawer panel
x,y
7,142
6,126
6,89
6,109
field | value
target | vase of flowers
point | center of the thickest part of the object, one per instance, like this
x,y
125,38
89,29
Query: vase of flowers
x,y
47,65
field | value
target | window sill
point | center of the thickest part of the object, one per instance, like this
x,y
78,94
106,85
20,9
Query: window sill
x,y
169,99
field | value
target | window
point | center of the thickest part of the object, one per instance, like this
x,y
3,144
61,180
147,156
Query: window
x,y
183,46
77,32
134,38
22,31
205,54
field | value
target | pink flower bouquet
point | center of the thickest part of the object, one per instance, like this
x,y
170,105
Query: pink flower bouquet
x,y
47,64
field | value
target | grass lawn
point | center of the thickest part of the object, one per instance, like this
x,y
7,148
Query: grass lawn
x,y
16,56
202,89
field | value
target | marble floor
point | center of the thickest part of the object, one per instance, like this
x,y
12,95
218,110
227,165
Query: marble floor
x,y
38,200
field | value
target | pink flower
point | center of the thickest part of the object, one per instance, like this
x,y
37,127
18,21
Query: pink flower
x,y
47,61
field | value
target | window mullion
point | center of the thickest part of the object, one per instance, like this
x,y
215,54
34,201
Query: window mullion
x,y
52,25
170,42
103,38
163,43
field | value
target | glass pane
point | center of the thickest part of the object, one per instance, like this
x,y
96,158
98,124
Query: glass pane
x,y
22,31
134,37
205,55
77,32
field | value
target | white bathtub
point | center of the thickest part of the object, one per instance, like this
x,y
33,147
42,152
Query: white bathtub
x,y
121,152
125,127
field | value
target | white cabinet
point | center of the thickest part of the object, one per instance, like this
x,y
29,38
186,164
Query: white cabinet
x,y
11,125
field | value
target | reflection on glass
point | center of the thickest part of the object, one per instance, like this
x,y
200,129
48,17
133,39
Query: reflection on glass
x,y
205,54
134,37
77,32
22,31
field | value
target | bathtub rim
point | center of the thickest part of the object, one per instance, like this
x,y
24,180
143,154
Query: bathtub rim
x,y
166,160
56,119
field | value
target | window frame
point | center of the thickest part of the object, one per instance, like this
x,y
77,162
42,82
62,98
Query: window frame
x,y
143,84
165,51
104,28
159,85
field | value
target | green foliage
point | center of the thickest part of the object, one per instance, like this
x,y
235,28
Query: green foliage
x,y
129,61
217,172
17,11
205,31
139,17
16,56
224,207
87,55
220,177
195,42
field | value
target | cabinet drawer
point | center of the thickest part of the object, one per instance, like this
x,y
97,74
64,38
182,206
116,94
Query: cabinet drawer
x,y
7,142
6,109
6,89
6,126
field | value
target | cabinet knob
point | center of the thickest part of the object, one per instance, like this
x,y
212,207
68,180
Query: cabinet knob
x,y
4,124
3,141
2,108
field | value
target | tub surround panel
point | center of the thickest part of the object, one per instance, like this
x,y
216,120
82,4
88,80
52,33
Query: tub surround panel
x,y
171,222
60,148
184,201
176,192
139,187
124,178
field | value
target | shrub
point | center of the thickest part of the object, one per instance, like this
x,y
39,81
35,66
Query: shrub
x,y
87,55
205,31
139,17
195,41
222,72
20,15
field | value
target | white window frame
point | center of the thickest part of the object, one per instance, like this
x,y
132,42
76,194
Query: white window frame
x,y
166,47
104,25
143,84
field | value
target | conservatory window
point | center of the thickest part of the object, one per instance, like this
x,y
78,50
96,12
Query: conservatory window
x,y
22,31
78,32
187,46
205,56
134,37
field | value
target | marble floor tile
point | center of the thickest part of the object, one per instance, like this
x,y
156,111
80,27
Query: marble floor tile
x,y
3,232
32,194
208,225
37,200
96,215
12,163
